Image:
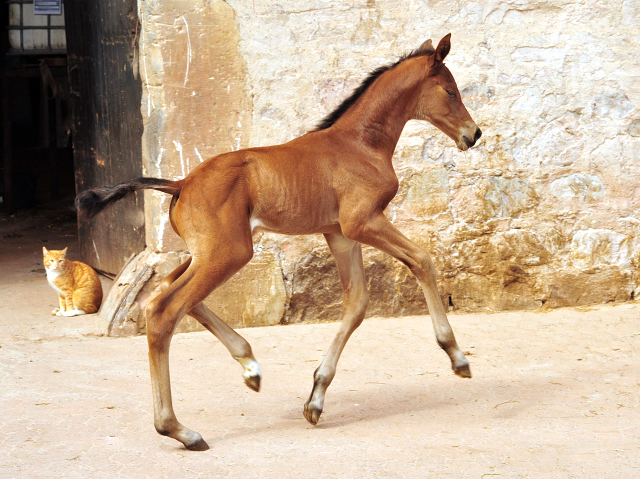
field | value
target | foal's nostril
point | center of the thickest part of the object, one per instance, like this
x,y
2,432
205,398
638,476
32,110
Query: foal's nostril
x,y
472,141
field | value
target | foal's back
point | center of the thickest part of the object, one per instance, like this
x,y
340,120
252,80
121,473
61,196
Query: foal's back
x,y
288,189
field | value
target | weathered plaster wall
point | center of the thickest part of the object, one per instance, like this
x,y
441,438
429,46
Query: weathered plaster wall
x,y
544,212
196,101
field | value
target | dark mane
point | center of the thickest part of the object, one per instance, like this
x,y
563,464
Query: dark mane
x,y
330,119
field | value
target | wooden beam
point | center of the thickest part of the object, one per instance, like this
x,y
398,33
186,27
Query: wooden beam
x,y
107,123
7,195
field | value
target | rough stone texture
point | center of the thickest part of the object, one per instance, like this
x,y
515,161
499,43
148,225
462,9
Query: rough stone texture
x,y
543,212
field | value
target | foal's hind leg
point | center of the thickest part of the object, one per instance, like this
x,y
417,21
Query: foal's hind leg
x,y
381,234
239,348
163,315
348,255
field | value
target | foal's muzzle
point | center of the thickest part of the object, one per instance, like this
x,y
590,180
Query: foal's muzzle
x,y
470,142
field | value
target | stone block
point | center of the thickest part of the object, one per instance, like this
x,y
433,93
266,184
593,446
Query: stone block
x,y
572,287
255,296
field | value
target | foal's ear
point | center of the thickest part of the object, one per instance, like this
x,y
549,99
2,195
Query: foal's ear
x,y
427,47
443,48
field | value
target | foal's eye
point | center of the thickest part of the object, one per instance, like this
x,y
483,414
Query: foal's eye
x,y
452,94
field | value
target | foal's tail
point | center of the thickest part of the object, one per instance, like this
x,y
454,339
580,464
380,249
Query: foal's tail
x,y
91,202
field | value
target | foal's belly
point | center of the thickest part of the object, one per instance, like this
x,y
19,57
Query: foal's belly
x,y
293,227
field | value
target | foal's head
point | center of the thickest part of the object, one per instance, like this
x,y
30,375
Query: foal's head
x,y
440,103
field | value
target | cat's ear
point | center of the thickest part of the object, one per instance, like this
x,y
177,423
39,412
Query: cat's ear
x,y
64,252
45,250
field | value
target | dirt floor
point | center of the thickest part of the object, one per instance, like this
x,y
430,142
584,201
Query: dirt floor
x,y
26,298
554,394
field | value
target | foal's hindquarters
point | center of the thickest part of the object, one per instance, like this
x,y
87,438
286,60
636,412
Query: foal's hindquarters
x,y
220,244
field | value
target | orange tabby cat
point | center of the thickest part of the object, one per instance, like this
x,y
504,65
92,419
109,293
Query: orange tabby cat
x,y
78,286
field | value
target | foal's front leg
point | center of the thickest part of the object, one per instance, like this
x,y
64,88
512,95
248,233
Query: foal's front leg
x,y
348,256
381,234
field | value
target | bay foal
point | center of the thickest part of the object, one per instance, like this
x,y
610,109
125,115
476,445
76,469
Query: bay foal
x,y
336,180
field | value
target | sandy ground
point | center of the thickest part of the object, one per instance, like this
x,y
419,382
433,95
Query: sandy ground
x,y
554,394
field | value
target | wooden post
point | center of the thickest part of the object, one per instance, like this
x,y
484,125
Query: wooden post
x,y
107,123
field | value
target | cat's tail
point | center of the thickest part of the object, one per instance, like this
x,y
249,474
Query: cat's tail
x,y
91,202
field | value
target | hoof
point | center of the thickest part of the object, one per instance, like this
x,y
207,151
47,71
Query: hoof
x,y
253,382
199,445
312,414
464,371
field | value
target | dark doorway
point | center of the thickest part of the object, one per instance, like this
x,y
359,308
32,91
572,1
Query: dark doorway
x,y
37,155
71,117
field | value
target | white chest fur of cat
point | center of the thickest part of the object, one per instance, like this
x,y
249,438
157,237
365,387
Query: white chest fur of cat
x,y
77,284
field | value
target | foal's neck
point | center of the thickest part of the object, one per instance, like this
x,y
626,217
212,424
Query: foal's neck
x,y
386,106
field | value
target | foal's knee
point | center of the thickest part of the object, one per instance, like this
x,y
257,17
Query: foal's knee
x,y
422,266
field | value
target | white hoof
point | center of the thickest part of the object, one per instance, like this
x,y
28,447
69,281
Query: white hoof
x,y
251,373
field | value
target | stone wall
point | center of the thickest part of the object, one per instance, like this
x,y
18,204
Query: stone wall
x,y
544,212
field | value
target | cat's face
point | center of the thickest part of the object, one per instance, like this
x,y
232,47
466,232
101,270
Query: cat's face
x,y
54,260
